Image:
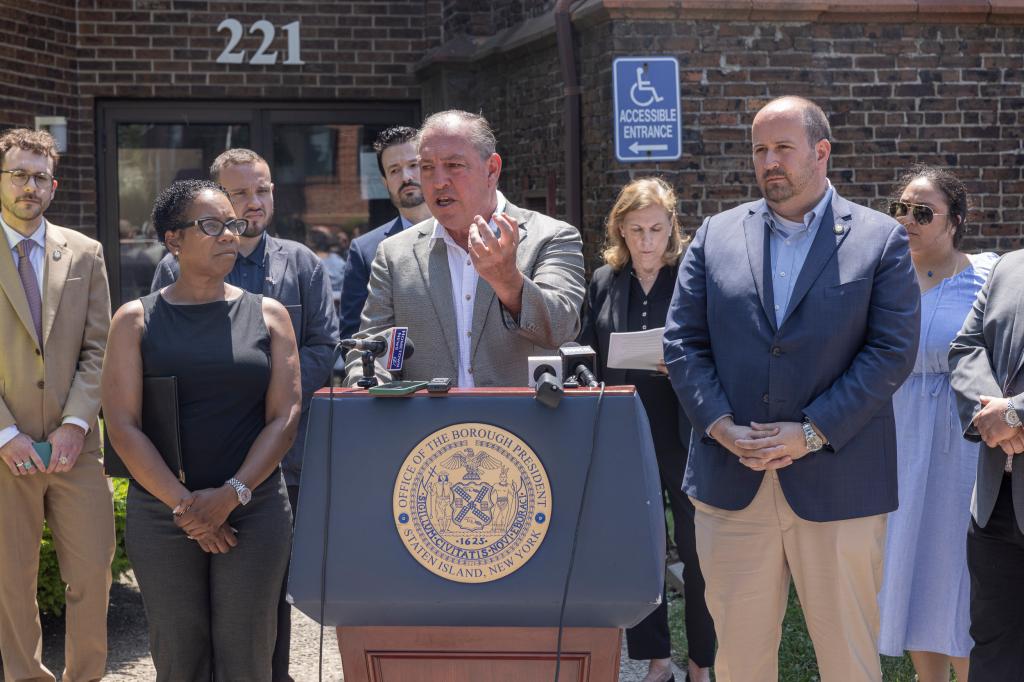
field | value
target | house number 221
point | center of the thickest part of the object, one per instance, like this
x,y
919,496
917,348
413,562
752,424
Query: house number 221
x,y
232,56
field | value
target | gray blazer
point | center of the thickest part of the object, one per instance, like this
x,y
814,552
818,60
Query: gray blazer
x,y
410,286
848,340
296,278
986,358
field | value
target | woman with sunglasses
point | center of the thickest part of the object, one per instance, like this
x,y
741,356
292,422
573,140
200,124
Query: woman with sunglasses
x,y
925,593
210,551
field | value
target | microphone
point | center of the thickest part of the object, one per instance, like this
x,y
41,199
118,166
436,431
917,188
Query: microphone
x,y
375,344
578,364
394,343
546,380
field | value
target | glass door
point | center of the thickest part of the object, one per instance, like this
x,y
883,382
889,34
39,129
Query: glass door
x,y
321,158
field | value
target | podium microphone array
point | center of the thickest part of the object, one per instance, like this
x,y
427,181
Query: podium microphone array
x,y
394,344
550,375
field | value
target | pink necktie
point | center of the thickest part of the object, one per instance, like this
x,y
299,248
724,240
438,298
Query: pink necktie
x,y
31,285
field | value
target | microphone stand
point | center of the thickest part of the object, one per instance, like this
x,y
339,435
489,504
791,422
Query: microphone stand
x,y
369,378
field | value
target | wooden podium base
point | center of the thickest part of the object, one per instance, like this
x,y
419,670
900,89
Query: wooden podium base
x,y
482,654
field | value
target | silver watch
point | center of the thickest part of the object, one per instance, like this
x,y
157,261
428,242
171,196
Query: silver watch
x,y
244,494
812,440
1010,415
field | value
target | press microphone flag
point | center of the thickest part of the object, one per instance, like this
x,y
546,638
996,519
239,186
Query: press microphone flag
x,y
398,346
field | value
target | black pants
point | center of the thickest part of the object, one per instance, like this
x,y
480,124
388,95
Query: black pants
x,y
283,645
211,616
650,637
995,559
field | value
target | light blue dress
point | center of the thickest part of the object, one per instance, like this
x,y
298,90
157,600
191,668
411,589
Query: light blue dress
x,y
925,595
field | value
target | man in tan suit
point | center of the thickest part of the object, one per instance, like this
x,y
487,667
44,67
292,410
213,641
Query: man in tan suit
x,y
54,313
483,284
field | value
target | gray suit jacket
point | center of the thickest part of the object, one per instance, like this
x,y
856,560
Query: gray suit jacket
x,y
296,278
410,286
986,358
848,340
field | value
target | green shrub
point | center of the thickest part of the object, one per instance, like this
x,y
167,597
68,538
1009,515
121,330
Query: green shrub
x,y
51,588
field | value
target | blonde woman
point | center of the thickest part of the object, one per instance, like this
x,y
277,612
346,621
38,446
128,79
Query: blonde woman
x,y
631,292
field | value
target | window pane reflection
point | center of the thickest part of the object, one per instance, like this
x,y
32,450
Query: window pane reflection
x,y
149,158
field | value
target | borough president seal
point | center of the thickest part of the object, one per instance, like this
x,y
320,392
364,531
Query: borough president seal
x,y
472,502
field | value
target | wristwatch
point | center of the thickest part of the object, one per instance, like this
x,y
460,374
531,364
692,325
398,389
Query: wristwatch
x,y
1010,415
812,440
244,494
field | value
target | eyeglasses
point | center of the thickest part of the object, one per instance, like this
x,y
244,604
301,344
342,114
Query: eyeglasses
x,y
922,214
215,228
20,178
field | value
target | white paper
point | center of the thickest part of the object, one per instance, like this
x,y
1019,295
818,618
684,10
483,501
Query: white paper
x,y
636,350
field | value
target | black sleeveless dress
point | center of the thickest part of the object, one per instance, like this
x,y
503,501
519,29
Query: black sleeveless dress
x,y
220,353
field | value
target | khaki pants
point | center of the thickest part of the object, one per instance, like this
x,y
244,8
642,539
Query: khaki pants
x,y
747,558
77,505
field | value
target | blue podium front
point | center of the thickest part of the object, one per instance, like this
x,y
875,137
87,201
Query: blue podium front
x,y
415,479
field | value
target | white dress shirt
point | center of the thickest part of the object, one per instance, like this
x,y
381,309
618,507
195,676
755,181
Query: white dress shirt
x,y
464,284
38,260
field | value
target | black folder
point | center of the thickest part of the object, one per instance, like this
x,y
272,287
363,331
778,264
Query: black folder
x,y
160,423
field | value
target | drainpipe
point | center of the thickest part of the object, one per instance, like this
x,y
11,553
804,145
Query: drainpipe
x,y
571,114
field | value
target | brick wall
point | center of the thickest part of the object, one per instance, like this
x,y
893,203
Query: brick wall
x,y
916,86
167,49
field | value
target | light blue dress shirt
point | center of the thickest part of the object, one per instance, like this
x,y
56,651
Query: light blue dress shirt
x,y
790,243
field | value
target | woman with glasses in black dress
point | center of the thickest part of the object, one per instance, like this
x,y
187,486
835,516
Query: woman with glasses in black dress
x,y
209,552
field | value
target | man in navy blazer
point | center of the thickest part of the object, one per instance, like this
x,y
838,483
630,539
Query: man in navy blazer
x,y
794,320
400,168
289,272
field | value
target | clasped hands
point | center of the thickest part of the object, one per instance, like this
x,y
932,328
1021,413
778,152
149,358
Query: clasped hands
x,y
994,430
762,447
203,516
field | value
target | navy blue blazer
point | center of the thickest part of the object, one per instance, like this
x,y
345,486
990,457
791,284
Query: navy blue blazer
x,y
846,343
294,276
357,275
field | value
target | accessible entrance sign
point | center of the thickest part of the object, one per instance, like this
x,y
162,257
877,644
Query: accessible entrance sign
x,y
648,117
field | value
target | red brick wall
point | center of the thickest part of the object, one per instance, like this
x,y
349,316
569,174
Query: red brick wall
x,y
927,87
167,49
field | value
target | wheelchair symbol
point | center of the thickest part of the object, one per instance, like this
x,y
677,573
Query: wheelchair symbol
x,y
643,85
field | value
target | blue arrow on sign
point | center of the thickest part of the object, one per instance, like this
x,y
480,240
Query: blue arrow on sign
x,y
648,116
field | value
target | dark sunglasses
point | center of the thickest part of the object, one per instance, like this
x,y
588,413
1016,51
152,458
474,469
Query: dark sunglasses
x,y
922,214
215,228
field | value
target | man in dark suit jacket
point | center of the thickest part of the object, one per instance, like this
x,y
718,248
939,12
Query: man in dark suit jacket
x,y
396,159
985,362
794,320
289,272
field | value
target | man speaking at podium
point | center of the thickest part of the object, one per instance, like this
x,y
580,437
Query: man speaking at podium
x,y
483,284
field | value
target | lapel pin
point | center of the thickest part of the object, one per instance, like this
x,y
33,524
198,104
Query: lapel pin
x,y
56,255
838,229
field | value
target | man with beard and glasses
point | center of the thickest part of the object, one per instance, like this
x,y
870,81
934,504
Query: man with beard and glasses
x,y
396,159
794,320
290,273
54,317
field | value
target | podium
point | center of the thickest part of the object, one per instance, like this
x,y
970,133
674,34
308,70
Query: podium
x,y
444,549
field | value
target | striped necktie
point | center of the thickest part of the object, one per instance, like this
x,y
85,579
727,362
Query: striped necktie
x,y
30,283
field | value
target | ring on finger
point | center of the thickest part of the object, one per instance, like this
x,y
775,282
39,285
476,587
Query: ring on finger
x,y
63,460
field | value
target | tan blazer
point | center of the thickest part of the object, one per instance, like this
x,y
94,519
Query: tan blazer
x,y
410,286
40,387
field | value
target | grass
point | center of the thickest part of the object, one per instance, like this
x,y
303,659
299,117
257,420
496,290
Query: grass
x,y
796,653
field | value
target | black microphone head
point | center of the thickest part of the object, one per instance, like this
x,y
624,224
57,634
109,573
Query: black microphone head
x,y
409,347
573,354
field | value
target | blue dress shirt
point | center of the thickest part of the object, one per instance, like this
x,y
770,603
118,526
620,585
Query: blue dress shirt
x,y
790,243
